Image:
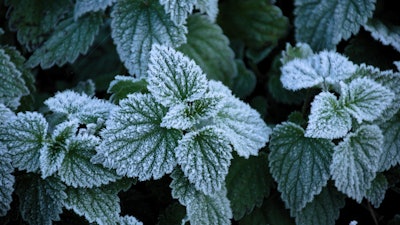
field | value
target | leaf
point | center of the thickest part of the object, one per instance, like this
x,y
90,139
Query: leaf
x,y
299,164
365,99
245,82
25,138
356,161
173,77
6,115
172,215
323,24
84,6
12,83
7,180
248,182
300,51
136,26
390,155
243,127
178,10
324,209
208,46
376,194
87,87
204,156
134,143
41,200
121,86
323,69
387,34
328,118
129,220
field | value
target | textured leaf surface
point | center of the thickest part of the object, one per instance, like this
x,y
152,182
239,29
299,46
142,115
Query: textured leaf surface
x,y
356,161
376,194
388,34
299,164
134,143
178,10
328,118
121,86
204,156
391,143
129,220
85,6
69,39
41,201
136,26
209,7
322,24
173,77
6,180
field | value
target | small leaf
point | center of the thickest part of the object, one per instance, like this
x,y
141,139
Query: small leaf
x,y
134,143
173,77
391,143
356,161
121,86
7,180
387,34
328,118
85,87
136,26
178,10
209,7
300,51
129,220
84,6
41,201
376,193
204,156
299,164
69,39
365,99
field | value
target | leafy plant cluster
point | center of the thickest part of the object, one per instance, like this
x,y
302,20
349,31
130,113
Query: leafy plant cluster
x,y
227,112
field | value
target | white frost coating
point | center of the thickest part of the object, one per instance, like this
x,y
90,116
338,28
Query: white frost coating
x,y
173,77
298,74
7,180
327,119
387,34
5,114
85,6
129,220
210,7
178,9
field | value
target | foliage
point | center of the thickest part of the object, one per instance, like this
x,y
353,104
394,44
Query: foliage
x,y
199,112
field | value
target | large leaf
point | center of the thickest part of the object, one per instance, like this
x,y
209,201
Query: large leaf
x,y
134,143
204,156
136,26
69,39
178,10
41,200
391,143
85,6
323,23
299,164
6,180
356,161
388,34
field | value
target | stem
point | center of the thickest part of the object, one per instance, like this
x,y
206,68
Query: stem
x,y
372,212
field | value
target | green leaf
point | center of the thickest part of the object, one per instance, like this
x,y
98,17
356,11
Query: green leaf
x,y
243,126
387,34
248,182
324,209
365,99
134,143
328,118
84,6
204,156
69,39
299,164
209,48
129,220
136,26
356,161
245,82
174,78
300,51
323,24
12,83
41,200
209,7
172,215
178,10
87,87
121,86
25,138
7,180
391,143
376,194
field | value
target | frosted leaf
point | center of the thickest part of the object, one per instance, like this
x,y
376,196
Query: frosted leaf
x,y
69,39
204,157
178,10
12,86
25,138
134,143
391,143
243,126
323,24
121,86
136,26
5,115
79,106
7,180
129,220
173,77
328,118
300,165
85,6
365,99
181,188
41,200
100,205
376,193
300,51
210,7
87,87
356,161
77,170
323,69
388,34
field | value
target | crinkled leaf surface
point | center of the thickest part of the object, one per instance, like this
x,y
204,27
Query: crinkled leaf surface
x,y
173,77
299,164
41,200
356,161
328,118
7,180
129,220
136,26
322,24
388,34
121,86
299,51
134,143
204,157
376,193
178,10
391,143
85,6
69,39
